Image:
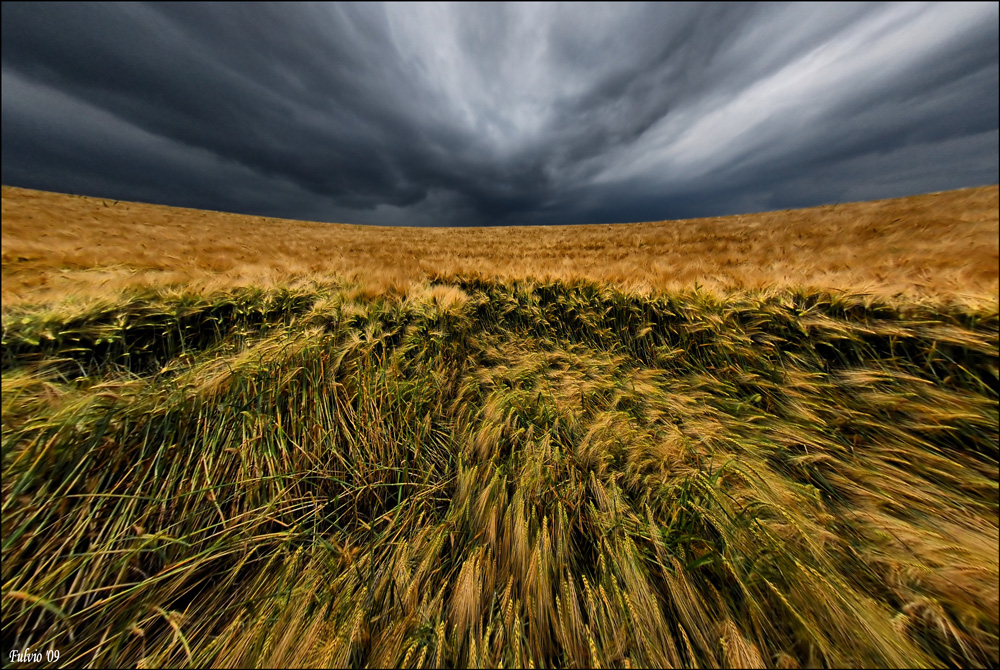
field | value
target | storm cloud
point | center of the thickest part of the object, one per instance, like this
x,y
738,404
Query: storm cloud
x,y
483,114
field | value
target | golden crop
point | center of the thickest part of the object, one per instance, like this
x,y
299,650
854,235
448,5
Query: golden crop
x,y
422,465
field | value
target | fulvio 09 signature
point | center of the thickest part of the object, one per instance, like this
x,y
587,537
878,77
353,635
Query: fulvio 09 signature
x,y
28,656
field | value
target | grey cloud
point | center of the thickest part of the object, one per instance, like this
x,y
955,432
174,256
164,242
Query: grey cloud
x,y
493,113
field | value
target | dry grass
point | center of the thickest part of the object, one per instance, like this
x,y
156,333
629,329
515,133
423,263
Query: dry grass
x,y
941,244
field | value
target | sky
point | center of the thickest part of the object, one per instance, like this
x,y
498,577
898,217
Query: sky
x,y
499,114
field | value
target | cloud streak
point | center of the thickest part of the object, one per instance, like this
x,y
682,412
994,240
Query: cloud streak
x,y
455,114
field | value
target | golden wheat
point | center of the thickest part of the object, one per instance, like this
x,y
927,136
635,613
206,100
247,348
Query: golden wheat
x,y
492,470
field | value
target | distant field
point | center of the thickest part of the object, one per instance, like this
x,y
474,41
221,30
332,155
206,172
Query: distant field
x,y
247,444
932,245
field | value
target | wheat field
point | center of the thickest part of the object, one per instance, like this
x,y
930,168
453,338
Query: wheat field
x,y
760,441
936,245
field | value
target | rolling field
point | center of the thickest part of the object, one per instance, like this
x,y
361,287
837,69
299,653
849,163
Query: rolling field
x,y
937,245
758,441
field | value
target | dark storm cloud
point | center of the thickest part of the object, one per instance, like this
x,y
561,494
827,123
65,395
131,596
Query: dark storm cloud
x,y
411,114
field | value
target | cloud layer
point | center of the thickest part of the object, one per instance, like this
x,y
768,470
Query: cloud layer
x,y
482,114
